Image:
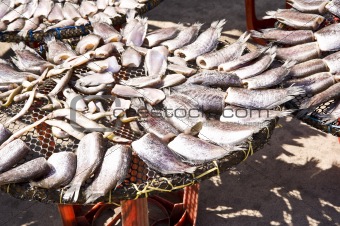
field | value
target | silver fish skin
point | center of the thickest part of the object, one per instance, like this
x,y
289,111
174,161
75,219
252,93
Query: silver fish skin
x,y
107,32
88,43
261,99
74,100
142,82
58,51
134,32
215,79
29,60
63,23
328,37
156,37
307,6
233,114
112,172
16,25
313,84
227,134
185,37
197,151
131,58
333,115
4,133
226,54
90,153
284,37
184,70
183,113
12,153
308,68
206,42
68,128
43,9
296,19
208,99
30,24
87,8
28,171
157,155
311,104
334,7
56,14
300,53
70,12
13,14
5,7
155,63
332,62
171,80
260,65
9,75
270,77
242,60
63,168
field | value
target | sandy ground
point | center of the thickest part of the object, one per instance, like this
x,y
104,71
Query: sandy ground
x,y
294,180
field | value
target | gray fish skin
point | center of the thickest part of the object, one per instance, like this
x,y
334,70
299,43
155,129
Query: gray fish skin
x,y
215,79
261,99
63,168
313,84
197,151
113,171
233,114
242,60
9,75
12,153
58,51
208,99
332,62
307,6
258,66
185,37
270,77
299,53
4,133
206,42
90,153
284,37
308,68
296,19
334,7
328,37
107,32
158,126
154,38
227,134
226,54
157,155
28,171
183,113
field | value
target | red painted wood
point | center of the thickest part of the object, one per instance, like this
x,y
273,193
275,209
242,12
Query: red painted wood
x,y
135,212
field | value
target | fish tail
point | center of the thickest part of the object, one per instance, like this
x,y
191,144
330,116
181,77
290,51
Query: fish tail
x,y
244,37
218,24
285,113
295,91
270,15
92,196
256,34
289,63
198,25
72,192
190,169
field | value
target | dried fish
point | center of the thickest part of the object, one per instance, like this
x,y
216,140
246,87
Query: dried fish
x,y
135,30
151,149
333,115
70,12
68,128
215,79
102,4
28,171
328,37
63,168
58,51
56,14
62,84
185,37
16,25
113,171
43,9
29,10
152,96
107,32
13,14
30,25
9,75
90,153
334,7
129,4
206,42
81,21
12,153
178,61
104,51
307,6
171,80
142,82
154,38
63,23
74,100
78,60
296,19
111,11
299,53
261,99
5,8
88,43
184,70
284,37
4,134
96,79
226,54
131,58
87,8
3,26
308,68
59,133
101,17
155,63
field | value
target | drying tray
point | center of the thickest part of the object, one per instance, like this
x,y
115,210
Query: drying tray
x,y
36,38
140,182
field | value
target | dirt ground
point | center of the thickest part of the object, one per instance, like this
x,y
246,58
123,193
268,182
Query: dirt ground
x,y
294,180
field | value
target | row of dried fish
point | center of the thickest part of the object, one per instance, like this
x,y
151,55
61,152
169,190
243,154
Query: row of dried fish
x,y
25,16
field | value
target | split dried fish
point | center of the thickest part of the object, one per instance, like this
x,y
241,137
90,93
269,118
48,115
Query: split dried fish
x,y
178,61
59,133
9,75
43,9
13,14
30,25
171,80
16,25
12,153
56,14
58,51
155,63
299,53
131,58
206,42
107,32
88,43
285,37
261,99
74,100
151,149
142,82
63,168
152,96
135,30
63,23
87,8
70,12
104,51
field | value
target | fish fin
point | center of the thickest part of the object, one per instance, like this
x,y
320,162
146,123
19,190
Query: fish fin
x,y
285,113
244,37
190,169
270,15
18,64
256,34
198,25
72,192
19,46
289,63
291,93
218,25
272,50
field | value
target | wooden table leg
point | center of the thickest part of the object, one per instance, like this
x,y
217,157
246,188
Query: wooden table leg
x,y
67,215
135,212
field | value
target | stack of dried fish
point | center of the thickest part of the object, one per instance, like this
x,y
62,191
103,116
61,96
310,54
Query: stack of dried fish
x,y
189,116
313,44
36,15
